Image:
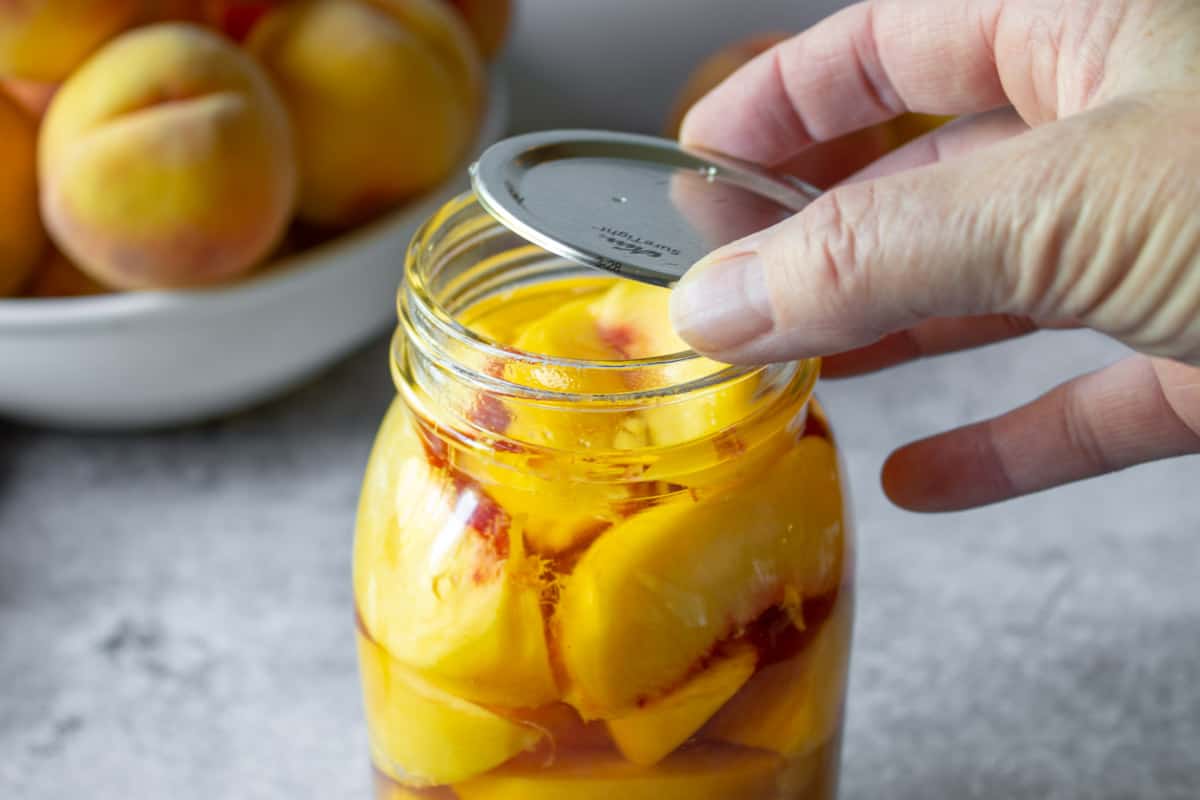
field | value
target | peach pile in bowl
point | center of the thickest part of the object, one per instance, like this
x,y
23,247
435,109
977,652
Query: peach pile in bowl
x,y
202,202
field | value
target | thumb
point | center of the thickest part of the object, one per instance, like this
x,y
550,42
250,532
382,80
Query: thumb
x,y
1080,220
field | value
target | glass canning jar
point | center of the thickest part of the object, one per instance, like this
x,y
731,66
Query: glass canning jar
x,y
587,566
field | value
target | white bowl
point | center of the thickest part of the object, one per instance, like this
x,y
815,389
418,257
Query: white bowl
x,y
157,359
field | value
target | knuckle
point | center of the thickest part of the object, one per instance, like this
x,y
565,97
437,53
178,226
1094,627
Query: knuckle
x,y
838,234
1082,435
821,259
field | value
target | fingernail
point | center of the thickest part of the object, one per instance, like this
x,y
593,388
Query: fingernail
x,y
722,303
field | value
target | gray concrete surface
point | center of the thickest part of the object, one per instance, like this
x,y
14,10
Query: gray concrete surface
x,y
175,609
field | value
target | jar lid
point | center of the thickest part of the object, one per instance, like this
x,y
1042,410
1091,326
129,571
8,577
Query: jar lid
x,y
639,206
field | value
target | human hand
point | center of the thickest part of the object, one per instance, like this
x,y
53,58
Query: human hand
x,y
1066,198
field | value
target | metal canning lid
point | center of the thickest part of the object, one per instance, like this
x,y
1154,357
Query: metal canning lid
x,y
639,206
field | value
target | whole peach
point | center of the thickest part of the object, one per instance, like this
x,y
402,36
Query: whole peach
x,y
21,238
234,18
488,21
166,160
43,40
449,36
384,99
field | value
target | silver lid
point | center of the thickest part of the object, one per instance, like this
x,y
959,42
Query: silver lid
x,y
639,206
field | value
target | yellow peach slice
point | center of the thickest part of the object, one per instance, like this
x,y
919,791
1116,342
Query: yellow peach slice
x,y
704,772
637,316
568,332
422,734
442,580
649,734
555,512
503,316
563,729
559,517
386,789
795,705
654,594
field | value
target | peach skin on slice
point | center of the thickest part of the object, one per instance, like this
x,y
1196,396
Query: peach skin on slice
x,y
422,734
555,512
636,316
649,734
651,597
568,332
441,580
557,517
704,772
793,706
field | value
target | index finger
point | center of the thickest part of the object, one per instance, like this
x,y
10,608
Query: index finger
x,y
866,64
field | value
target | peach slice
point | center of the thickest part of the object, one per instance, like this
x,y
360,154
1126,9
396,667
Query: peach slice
x,y
386,789
551,511
704,772
649,734
629,321
569,332
637,316
564,730
441,581
793,706
559,517
422,734
652,597
555,512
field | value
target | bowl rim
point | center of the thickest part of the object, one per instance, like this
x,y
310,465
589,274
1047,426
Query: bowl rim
x,y
289,273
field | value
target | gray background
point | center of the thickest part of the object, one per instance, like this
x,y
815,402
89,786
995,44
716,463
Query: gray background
x,y
176,620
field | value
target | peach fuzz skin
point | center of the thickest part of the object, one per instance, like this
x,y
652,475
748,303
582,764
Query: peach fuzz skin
x,y
56,276
21,238
489,22
44,40
167,161
333,61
